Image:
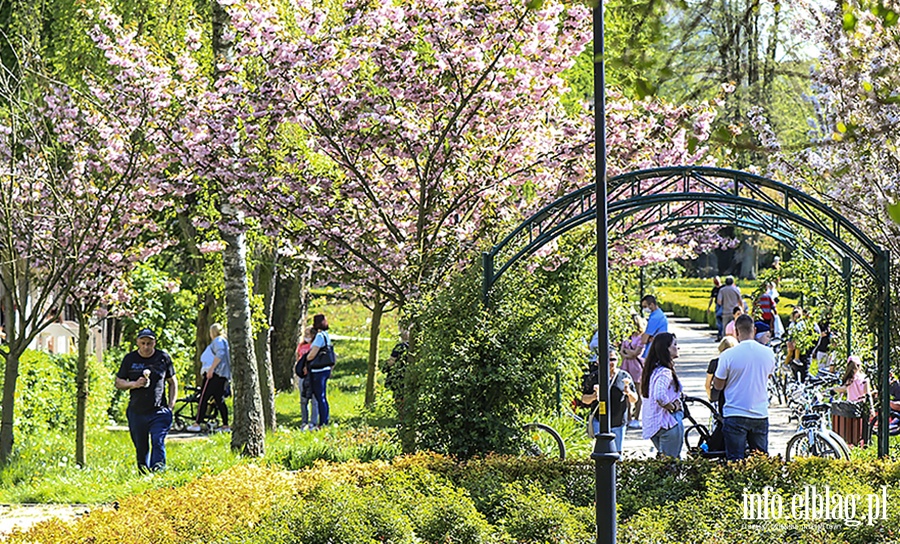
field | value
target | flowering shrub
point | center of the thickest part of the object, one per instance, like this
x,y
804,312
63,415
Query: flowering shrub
x,y
501,500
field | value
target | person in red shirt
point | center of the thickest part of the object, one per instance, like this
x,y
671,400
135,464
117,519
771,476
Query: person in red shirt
x,y
766,305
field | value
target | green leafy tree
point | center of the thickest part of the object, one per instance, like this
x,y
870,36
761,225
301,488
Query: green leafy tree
x,y
478,372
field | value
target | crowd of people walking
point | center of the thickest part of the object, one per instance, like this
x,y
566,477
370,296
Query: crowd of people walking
x,y
646,391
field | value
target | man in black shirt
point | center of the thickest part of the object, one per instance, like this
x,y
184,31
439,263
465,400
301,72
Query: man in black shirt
x,y
895,393
395,366
145,373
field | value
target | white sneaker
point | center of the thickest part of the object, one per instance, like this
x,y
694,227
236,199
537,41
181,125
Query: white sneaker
x,y
194,428
634,424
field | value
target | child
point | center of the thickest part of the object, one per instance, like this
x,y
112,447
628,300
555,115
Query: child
x,y
307,417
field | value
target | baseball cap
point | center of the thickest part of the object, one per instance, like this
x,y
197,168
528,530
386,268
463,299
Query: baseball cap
x,y
146,333
761,327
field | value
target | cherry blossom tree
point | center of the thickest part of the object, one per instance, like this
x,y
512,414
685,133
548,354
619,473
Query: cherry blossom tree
x,y
444,123
224,138
79,181
851,160
402,136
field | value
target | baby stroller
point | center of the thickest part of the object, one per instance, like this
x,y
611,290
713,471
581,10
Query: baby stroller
x,y
705,440
185,413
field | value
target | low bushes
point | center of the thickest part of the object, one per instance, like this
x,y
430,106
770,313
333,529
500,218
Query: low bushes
x,y
434,499
46,396
687,299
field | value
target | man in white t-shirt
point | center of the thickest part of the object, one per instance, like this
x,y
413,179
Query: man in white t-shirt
x,y
742,374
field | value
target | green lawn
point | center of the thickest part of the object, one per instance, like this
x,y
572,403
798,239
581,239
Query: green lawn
x,y
43,469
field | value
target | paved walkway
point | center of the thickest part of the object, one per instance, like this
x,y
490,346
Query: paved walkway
x,y
696,347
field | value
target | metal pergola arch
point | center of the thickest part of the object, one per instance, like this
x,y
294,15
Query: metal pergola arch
x,y
687,196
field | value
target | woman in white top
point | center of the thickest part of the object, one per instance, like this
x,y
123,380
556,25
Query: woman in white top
x,y
215,370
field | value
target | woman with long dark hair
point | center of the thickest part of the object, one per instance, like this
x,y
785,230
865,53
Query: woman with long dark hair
x,y
321,361
662,413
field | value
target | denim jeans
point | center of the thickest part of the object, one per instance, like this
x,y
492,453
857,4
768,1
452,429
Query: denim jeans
x,y
669,441
319,380
741,432
618,432
309,410
720,324
146,430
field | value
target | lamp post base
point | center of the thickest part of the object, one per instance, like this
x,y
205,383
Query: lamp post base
x,y
605,456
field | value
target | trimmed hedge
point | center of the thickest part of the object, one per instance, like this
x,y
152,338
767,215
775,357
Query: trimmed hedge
x,y
688,299
504,500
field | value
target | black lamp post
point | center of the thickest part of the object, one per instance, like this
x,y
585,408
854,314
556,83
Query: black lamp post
x,y
605,454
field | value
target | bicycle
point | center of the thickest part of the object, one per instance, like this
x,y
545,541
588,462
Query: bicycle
x,y
814,436
541,440
185,413
777,386
893,426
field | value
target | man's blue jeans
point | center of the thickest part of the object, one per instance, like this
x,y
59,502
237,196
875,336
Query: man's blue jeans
x,y
146,430
741,432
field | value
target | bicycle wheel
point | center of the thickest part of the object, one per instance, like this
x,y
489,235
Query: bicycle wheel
x,y
839,440
539,440
781,385
772,390
821,446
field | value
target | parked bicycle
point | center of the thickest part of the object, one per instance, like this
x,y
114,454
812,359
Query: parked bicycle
x,y
814,436
780,379
893,426
541,440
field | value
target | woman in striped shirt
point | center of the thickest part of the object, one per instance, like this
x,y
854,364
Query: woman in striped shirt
x,y
662,413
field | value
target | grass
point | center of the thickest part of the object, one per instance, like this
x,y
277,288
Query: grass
x,y
43,470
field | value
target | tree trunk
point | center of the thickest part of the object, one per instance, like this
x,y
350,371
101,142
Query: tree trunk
x,y
374,333
770,62
265,285
289,313
208,299
406,430
81,387
248,433
10,376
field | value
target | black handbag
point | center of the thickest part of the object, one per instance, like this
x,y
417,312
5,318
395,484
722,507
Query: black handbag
x,y
324,358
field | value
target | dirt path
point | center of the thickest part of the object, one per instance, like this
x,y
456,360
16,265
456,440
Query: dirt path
x,y
23,516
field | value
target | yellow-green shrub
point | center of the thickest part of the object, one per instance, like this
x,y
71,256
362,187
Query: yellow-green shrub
x,y
500,500
201,511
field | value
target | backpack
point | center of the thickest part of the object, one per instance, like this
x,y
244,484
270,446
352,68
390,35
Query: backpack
x,y
300,367
325,357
